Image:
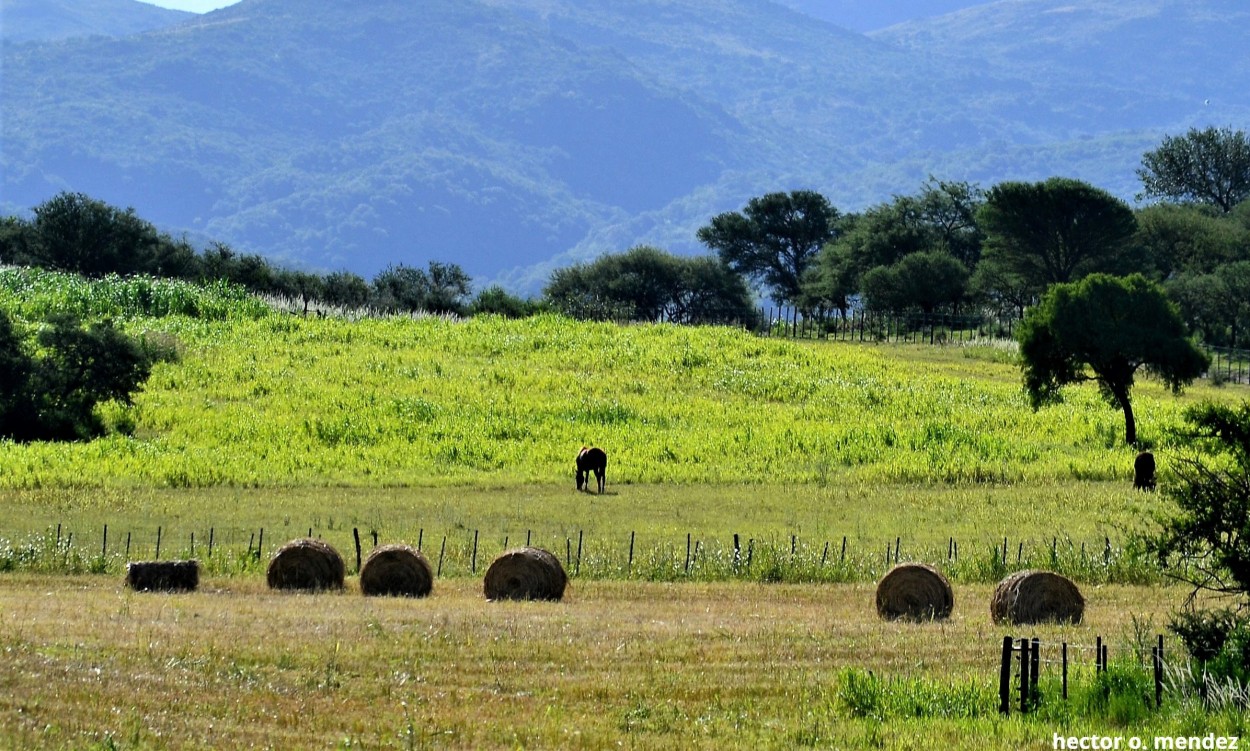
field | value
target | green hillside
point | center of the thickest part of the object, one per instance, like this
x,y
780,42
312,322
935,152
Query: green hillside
x,y
270,399
48,20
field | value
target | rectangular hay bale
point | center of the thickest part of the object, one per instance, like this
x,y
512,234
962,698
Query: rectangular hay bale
x,y
163,576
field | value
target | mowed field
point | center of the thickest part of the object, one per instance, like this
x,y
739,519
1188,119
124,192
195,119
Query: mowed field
x,y
828,461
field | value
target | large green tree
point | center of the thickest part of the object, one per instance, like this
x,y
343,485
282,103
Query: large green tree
x,y
649,284
1216,304
1210,166
774,239
1057,231
440,288
74,232
920,281
1105,329
51,390
1178,239
941,218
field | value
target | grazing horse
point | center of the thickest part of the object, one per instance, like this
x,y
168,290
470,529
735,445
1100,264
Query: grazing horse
x,y
591,460
1144,471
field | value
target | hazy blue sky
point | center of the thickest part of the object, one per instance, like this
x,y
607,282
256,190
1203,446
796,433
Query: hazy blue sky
x,y
196,6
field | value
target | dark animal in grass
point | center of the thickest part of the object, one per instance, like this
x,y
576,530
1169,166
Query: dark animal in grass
x,y
591,459
1144,471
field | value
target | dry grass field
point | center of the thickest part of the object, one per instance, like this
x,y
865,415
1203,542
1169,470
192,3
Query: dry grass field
x,y
91,664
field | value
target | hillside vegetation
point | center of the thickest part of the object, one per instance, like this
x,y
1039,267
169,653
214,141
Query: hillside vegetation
x,y
520,134
269,399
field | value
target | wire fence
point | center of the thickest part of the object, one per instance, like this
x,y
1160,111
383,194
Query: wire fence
x,y
1228,364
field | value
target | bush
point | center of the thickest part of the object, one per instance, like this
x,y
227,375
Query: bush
x,y
52,395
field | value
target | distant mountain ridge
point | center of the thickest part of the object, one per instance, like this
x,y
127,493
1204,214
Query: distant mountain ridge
x,y
512,136
51,20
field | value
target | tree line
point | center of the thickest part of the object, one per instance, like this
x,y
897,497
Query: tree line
x,y
952,247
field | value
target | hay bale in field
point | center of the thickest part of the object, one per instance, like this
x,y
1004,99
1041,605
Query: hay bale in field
x,y
914,592
163,576
525,574
1037,597
1144,471
396,570
306,564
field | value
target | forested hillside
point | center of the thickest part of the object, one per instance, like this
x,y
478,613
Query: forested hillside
x,y
514,136
46,20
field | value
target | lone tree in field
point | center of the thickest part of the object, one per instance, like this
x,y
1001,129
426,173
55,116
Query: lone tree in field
x,y
1104,329
775,239
1210,166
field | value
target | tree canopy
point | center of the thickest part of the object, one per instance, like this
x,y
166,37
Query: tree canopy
x,y
1210,166
51,389
648,284
1105,329
774,239
1057,231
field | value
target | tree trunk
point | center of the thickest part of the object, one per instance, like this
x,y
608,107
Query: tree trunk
x,y
1130,423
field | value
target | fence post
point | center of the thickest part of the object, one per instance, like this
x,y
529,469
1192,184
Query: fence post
x,y
1035,668
158,543
473,560
577,568
631,551
1158,665
1004,678
356,537
104,547
1065,671
1025,681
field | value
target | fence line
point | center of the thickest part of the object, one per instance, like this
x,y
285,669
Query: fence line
x,y
610,555
1029,669
1228,365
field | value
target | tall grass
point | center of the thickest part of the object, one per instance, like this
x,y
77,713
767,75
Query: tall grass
x,y
36,294
284,401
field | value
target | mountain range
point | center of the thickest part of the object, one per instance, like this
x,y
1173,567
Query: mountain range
x,y
51,20
515,136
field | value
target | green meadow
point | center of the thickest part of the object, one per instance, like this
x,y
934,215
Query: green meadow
x,y
825,461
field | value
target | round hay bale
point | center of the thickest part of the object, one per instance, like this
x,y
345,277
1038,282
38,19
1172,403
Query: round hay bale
x,y
306,564
396,571
525,574
914,592
163,576
1037,597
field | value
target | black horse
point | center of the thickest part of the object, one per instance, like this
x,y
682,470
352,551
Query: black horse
x,y
591,459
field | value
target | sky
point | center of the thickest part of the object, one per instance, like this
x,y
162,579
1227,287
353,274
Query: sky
x,y
195,6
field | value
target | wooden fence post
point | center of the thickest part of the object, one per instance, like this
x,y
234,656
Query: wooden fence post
x,y
1025,661
1035,665
473,560
1004,678
1157,654
1065,671
356,537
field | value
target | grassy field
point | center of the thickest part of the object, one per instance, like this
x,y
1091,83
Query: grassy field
x,y
461,435
90,664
